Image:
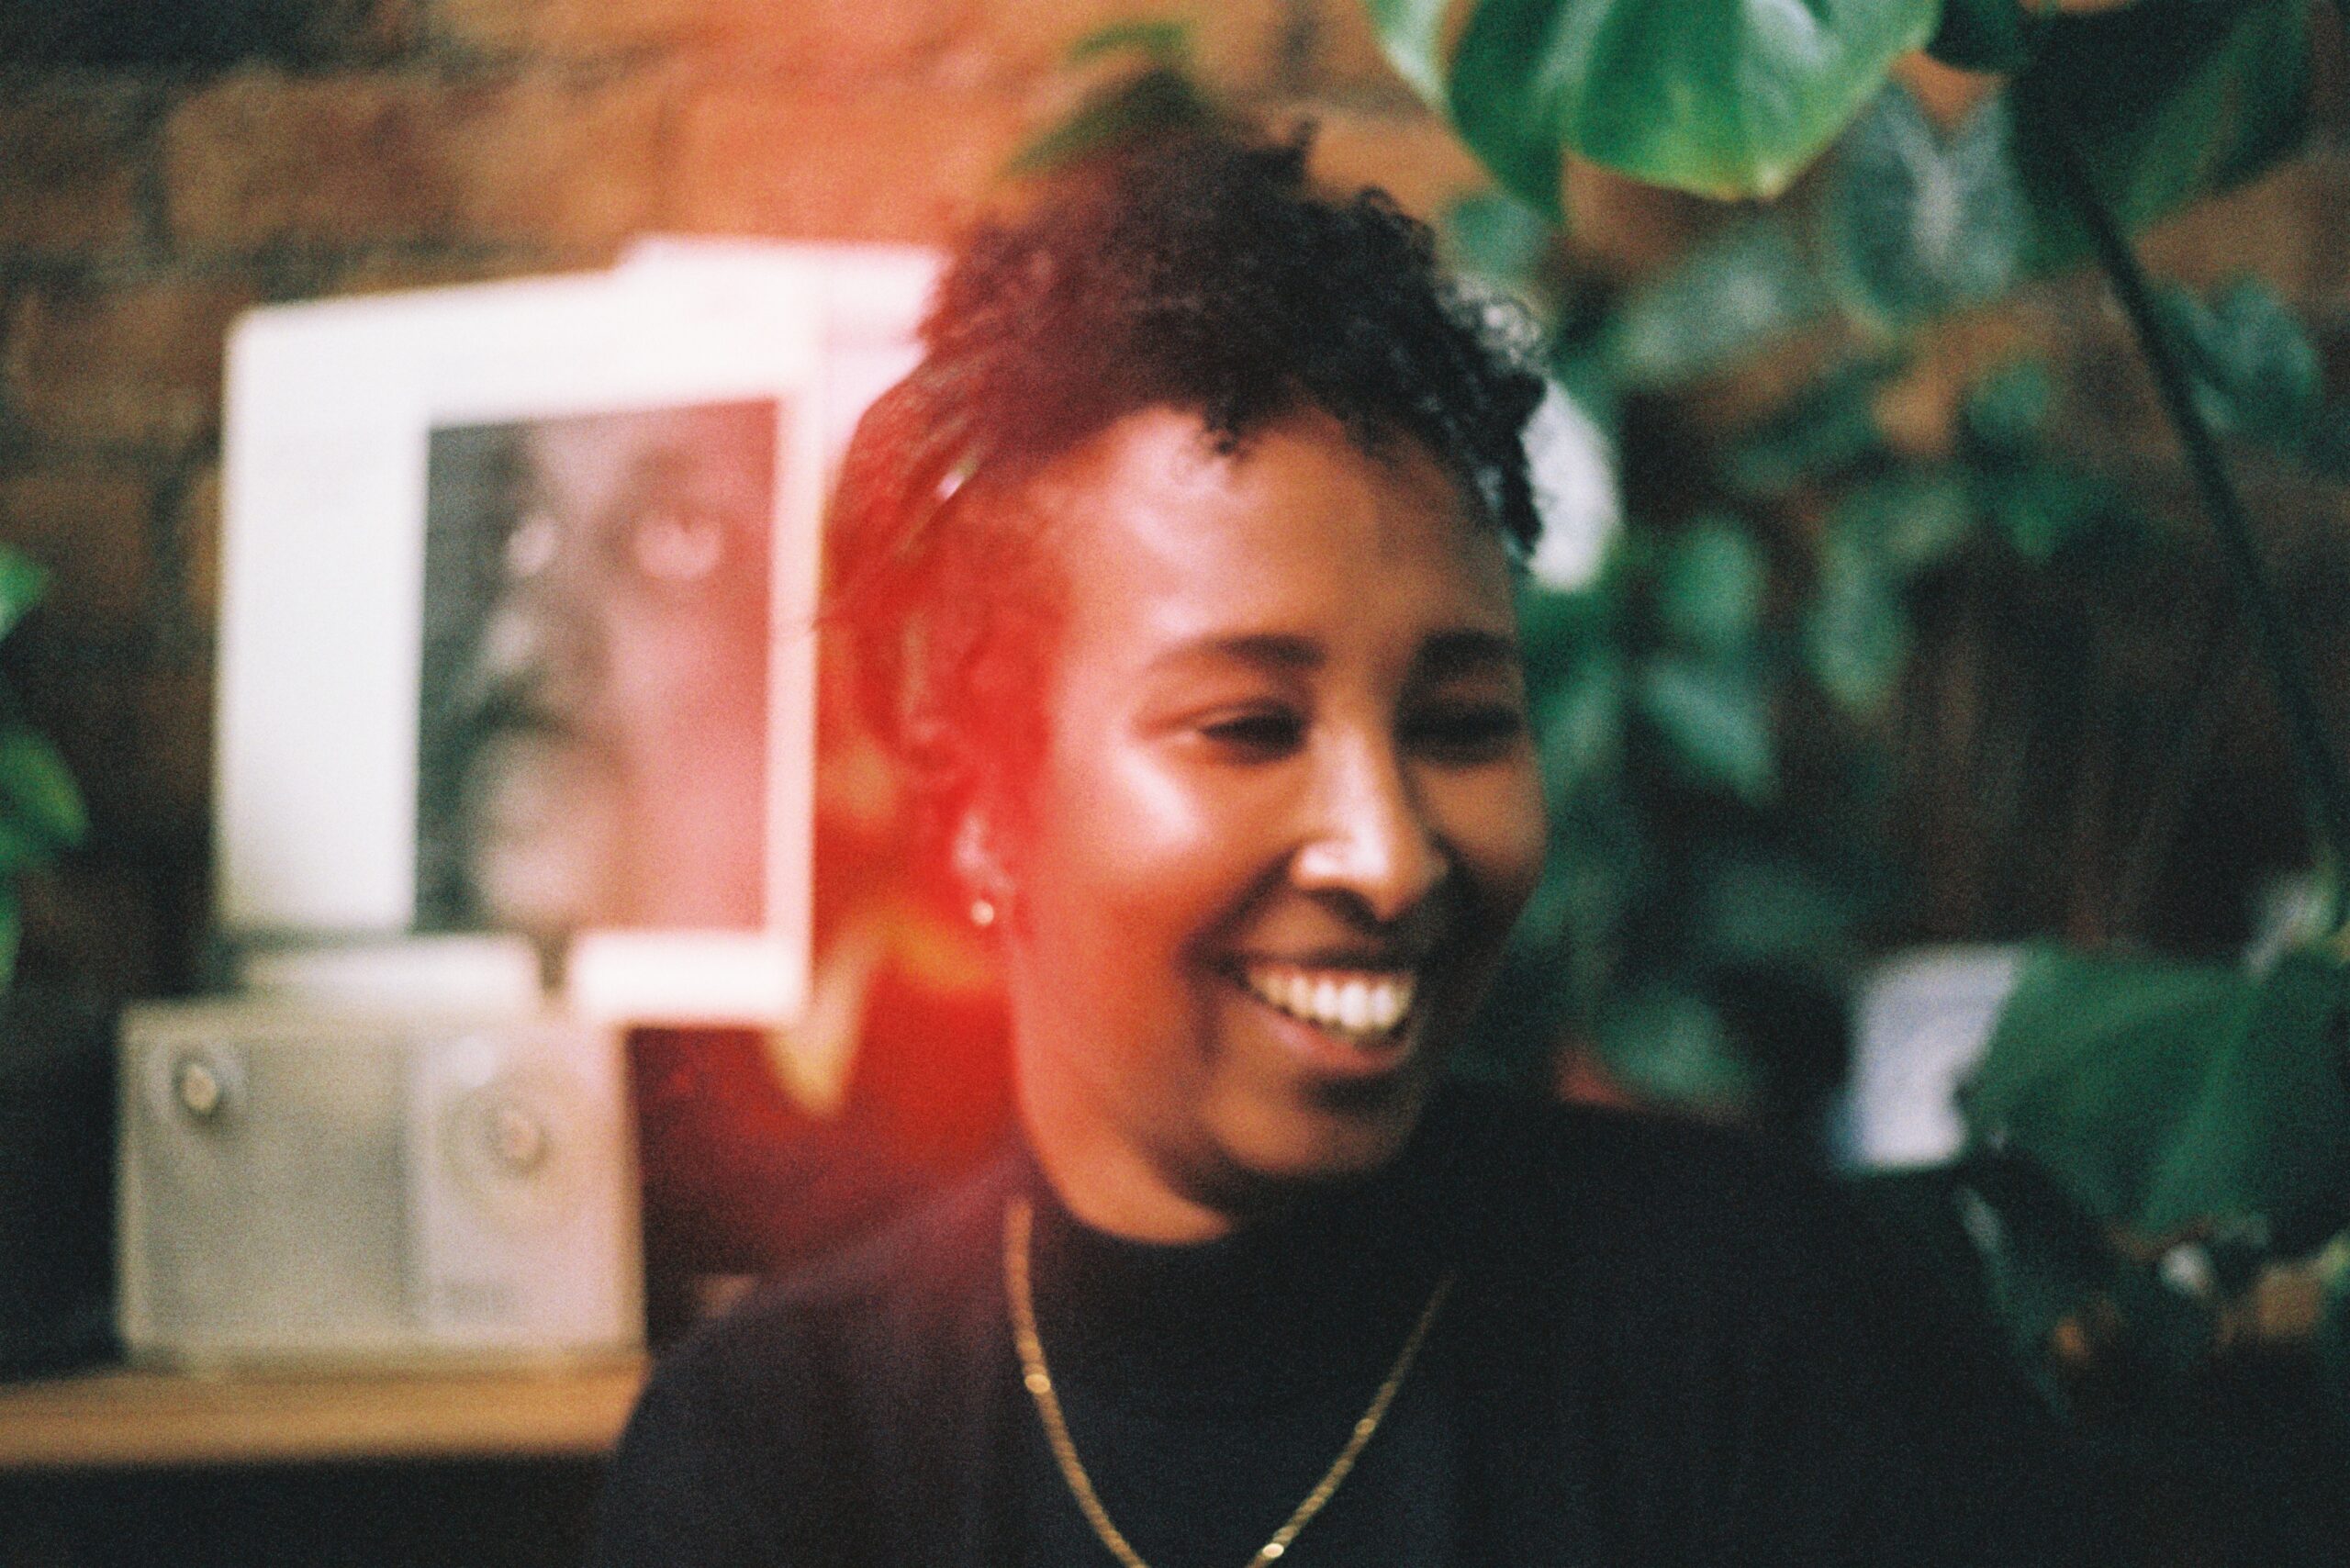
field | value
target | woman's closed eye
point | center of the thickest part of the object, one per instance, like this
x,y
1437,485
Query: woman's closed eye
x,y
1472,732
1466,732
1255,733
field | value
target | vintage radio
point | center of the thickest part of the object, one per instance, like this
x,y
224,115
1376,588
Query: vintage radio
x,y
308,1183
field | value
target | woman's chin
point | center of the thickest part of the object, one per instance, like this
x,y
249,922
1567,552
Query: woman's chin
x,y
1331,1131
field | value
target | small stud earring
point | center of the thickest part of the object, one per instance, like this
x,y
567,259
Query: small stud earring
x,y
982,913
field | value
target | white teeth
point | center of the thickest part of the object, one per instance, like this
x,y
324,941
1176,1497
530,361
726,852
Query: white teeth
x,y
1349,1001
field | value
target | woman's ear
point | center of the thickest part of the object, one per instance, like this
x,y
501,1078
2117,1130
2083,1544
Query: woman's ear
x,y
977,858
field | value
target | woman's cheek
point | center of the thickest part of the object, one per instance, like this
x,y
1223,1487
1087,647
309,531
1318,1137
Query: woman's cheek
x,y
1139,814
1525,841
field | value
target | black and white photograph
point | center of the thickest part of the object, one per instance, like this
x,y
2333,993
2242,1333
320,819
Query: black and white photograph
x,y
592,722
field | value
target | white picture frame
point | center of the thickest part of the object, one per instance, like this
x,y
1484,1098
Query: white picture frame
x,y
331,418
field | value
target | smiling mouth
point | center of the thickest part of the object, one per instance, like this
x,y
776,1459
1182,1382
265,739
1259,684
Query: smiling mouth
x,y
1359,1005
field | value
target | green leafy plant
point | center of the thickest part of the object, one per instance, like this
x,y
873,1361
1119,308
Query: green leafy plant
x,y
40,810
2159,1151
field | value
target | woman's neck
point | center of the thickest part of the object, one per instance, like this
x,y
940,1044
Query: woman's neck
x,y
1308,1295
1113,1188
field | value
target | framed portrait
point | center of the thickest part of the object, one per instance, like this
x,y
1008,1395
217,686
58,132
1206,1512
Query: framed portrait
x,y
520,588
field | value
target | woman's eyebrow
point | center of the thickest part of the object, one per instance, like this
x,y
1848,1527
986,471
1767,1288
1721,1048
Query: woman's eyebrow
x,y
1274,652
1468,652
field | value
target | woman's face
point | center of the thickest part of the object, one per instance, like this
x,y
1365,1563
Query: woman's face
x,y
1285,813
620,778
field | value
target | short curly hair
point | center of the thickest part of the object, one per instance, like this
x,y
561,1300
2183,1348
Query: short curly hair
x,y
1201,272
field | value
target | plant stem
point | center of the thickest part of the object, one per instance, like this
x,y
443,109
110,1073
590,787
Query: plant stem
x,y
2280,650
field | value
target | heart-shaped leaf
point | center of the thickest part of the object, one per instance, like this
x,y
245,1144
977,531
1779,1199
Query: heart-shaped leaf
x,y
2268,1129
2163,1096
2094,1065
1916,224
1723,97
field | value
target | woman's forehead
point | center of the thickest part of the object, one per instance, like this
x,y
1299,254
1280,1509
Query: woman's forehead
x,y
1297,521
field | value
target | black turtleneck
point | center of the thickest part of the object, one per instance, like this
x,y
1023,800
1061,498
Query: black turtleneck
x,y
1665,1349
1208,1388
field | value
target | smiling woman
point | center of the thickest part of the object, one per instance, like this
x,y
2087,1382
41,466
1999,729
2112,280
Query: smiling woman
x,y
1180,574
1286,780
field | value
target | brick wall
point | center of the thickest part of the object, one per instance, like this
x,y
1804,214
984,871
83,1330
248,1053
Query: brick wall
x,y
166,164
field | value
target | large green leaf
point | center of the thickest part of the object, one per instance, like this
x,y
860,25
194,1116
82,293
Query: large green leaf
x,y
2094,1065
1918,224
37,790
22,582
1723,97
2166,100
2269,1131
2165,1095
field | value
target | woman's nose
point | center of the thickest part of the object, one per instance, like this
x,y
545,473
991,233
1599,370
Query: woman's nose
x,y
1371,840
540,639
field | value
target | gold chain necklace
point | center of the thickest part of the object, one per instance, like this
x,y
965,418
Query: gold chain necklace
x,y
1019,1220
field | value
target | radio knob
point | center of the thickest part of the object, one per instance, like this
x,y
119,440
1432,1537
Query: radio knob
x,y
198,1088
518,1140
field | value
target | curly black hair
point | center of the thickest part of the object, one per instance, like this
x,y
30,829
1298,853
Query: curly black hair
x,y
1200,272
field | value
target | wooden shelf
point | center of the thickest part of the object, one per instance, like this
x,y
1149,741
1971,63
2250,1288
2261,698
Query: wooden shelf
x,y
123,1419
